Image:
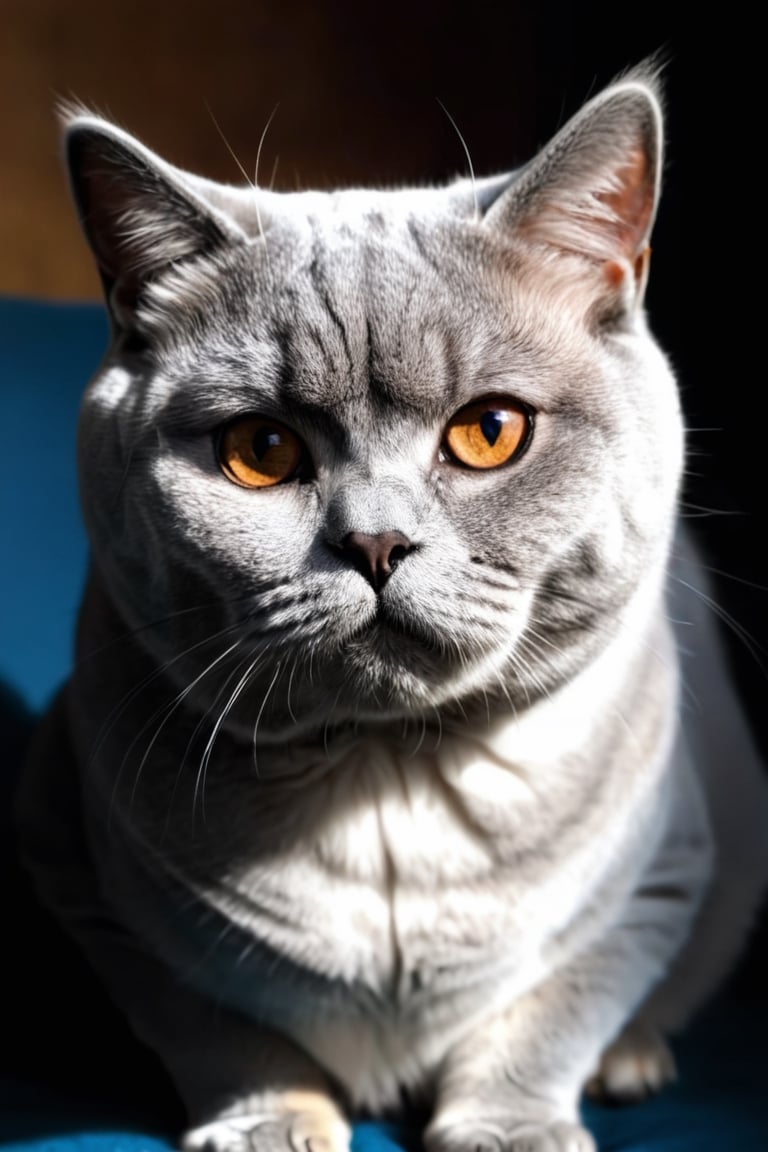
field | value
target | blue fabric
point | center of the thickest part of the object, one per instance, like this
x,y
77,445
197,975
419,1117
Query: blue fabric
x,y
47,354
71,1079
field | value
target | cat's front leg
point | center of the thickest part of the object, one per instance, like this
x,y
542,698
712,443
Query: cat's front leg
x,y
514,1083
297,1120
245,1088
251,1090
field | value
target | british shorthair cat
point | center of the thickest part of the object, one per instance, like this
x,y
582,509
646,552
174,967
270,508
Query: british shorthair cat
x,y
381,774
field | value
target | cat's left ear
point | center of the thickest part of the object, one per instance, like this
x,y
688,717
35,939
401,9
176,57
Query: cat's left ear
x,y
141,215
592,192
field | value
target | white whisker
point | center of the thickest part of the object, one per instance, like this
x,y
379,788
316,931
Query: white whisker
x,y
272,683
731,622
229,147
466,153
195,733
256,172
169,711
208,751
288,690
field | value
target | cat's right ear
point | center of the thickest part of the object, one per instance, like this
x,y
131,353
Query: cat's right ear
x,y
588,200
139,214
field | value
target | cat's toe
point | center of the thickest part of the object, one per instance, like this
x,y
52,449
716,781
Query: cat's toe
x,y
266,1133
638,1064
512,1137
230,1135
552,1138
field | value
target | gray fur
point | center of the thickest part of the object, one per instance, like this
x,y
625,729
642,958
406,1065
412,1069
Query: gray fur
x,y
327,842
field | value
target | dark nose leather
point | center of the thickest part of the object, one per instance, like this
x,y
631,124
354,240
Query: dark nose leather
x,y
377,556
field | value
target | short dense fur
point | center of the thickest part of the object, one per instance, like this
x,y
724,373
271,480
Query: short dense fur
x,y
330,839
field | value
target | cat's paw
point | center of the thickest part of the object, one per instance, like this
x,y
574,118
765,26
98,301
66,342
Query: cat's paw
x,y
551,1138
526,1137
637,1064
291,1132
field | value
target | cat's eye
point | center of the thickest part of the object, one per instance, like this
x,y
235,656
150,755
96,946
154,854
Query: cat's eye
x,y
256,452
488,433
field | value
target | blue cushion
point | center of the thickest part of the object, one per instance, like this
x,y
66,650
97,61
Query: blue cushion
x,y
104,1094
47,353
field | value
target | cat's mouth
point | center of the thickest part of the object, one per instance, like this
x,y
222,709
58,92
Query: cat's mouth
x,y
388,623
392,635
393,643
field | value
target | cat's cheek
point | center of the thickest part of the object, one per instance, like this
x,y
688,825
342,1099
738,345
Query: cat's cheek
x,y
248,530
109,391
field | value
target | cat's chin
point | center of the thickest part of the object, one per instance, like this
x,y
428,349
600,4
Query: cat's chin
x,y
398,667
382,673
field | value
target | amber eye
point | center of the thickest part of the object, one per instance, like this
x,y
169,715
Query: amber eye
x,y
488,433
257,453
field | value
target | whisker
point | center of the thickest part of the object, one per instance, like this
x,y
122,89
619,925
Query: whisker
x,y
272,683
530,635
228,146
466,153
505,691
422,736
698,511
328,720
169,711
732,576
256,171
206,757
197,729
244,953
439,737
198,964
288,692
158,623
753,648
130,696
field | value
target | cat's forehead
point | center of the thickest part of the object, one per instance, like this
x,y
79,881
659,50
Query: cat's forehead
x,y
368,293
360,299
359,212
381,304
361,244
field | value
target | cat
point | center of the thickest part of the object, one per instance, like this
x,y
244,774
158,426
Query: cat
x,y
381,774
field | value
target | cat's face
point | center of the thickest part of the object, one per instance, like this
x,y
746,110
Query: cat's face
x,y
380,451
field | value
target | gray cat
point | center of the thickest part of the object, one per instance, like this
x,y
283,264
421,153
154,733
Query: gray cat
x,y
377,776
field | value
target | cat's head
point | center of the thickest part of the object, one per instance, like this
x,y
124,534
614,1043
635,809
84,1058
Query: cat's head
x,y
379,451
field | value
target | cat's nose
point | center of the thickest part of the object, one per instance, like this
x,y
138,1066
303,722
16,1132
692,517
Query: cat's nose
x,y
375,556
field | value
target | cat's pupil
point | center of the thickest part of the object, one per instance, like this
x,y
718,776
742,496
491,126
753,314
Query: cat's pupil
x,y
263,440
490,425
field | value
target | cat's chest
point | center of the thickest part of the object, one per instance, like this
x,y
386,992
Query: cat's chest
x,y
368,909
409,876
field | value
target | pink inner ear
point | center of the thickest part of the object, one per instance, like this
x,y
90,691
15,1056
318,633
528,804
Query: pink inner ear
x,y
632,202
